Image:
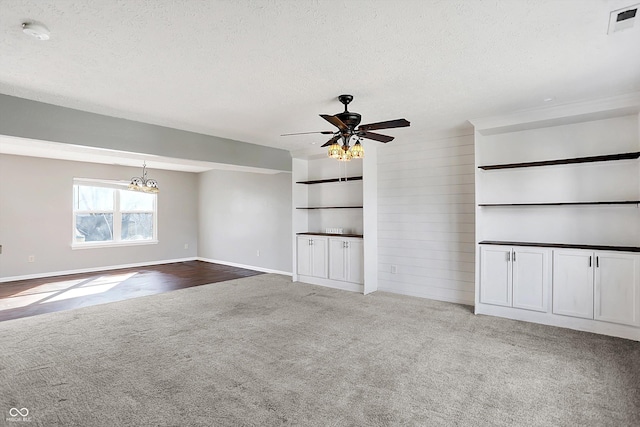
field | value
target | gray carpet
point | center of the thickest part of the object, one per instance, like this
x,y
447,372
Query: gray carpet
x,y
262,351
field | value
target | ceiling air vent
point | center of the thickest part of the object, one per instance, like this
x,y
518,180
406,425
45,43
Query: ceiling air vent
x,y
623,19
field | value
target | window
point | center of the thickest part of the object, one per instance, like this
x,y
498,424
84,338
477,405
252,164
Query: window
x,y
105,214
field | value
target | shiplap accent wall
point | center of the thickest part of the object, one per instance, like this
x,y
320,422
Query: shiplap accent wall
x,y
426,218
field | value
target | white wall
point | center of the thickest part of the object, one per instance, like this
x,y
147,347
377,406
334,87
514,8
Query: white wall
x,y
426,215
36,201
241,213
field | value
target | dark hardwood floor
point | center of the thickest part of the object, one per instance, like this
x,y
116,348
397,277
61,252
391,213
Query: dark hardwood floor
x,y
26,298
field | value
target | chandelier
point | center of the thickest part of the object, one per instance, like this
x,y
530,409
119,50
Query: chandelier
x,y
143,183
344,153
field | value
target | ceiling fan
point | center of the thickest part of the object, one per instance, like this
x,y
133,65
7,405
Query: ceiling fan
x,y
347,123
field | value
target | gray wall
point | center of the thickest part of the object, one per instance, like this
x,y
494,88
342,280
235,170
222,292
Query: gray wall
x,y
36,200
242,213
36,120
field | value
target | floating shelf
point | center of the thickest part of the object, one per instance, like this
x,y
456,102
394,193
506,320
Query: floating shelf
x,y
605,158
329,234
564,246
322,181
621,202
333,207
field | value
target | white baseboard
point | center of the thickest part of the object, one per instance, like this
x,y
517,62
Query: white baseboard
x,y
411,293
248,267
336,284
92,270
587,325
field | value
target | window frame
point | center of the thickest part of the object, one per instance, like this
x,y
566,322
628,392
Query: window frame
x,y
117,216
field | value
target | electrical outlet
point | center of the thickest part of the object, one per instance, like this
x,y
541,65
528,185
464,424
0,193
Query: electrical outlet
x,y
394,269
258,252
186,246
32,258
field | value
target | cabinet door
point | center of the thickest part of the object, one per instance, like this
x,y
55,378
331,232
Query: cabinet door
x,y
355,261
319,265
617,288
530,278
573,283
304,255
495,273
337,259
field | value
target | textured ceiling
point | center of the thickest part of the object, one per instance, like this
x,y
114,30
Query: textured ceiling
x,y
252,70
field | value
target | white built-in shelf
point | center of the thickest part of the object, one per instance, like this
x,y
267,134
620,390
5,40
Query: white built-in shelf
x,y
563,245
591,159
614,202
331,207
323,181
309,233
573,160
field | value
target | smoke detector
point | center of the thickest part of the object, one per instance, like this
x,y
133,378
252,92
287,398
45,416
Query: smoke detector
x,y
623,19
38,31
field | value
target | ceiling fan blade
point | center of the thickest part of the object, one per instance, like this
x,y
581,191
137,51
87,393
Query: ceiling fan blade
x,y
375,136
335,121
324,132
331,141
398,123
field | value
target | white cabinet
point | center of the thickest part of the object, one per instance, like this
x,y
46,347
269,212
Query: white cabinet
x,y
515,277
617,288
531,278
326,198
312,256
551,179
495,275
346,260
598,285
573,283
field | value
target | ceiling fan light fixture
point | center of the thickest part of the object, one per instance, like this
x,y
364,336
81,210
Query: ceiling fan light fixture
x,y
357,151
345,154
349,127
335,150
